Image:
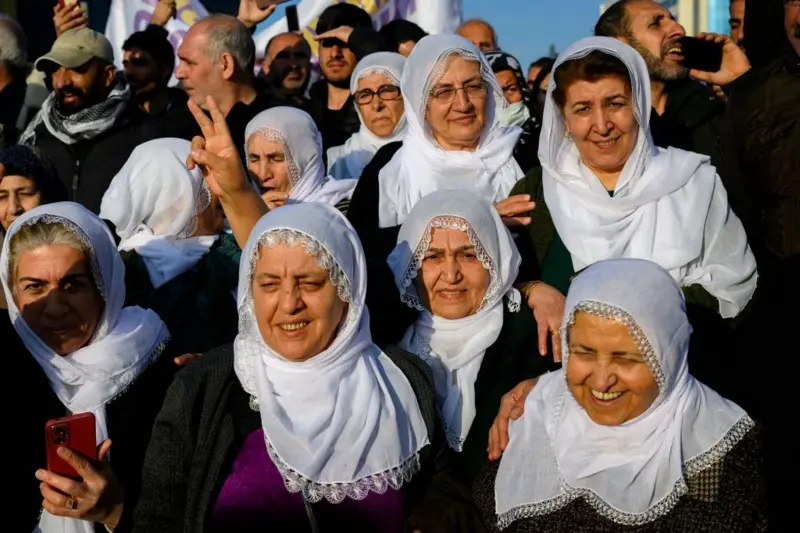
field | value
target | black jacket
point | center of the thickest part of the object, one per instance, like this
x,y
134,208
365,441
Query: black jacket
x,y
87,167
201,428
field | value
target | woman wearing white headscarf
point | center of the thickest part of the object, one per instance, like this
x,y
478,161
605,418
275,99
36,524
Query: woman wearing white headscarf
x,y
179,261
303,423
624,436
64,282
284,155
375,86
455,263
454,141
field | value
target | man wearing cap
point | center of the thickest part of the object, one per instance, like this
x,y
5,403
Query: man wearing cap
x,y
345,36
85,126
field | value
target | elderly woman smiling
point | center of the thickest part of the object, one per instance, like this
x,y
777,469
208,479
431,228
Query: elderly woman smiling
x,y
455,262
624,435
304,423
64,281
284,155
375,86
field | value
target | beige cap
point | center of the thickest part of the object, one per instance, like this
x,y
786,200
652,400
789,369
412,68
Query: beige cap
x,y
76,48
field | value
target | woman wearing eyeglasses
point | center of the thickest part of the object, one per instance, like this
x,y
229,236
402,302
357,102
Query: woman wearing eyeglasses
x,y
375,86
454,140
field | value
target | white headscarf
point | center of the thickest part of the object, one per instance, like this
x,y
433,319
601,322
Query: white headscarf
x,y
154,202
345,422
348,160
125,342
302,142
669,205
636,472
455,348
421,167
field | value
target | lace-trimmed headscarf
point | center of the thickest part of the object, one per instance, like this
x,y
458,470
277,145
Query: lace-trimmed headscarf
x,y
154,203
345,422
349,160
126,341
636,472
455,348
669,206
421,166
302,143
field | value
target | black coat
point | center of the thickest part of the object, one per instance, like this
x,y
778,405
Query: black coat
x,y
204,422
390,317
87,167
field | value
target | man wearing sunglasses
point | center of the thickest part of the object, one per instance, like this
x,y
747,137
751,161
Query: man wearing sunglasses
x,y
345,35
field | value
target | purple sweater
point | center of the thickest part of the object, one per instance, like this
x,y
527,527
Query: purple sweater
x,y
254,498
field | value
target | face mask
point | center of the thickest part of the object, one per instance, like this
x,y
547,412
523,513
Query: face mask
x,y
515,114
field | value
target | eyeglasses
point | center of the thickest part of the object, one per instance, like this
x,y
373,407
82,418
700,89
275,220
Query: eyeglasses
x,y
446,95
384,92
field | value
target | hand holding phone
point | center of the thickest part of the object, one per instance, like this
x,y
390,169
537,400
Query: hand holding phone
x,y
714,59
76,432
69,15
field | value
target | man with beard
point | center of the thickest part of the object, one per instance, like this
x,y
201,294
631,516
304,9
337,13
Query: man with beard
x,y
286,70
686,113
345,36
148,60
85,126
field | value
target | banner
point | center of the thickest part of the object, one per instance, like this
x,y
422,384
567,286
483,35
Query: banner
x,y
129,16
433,16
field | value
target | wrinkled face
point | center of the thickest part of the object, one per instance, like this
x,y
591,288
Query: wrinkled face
x,y
479,34
336,60
297,307
599,115
57,297
791,21
458,105
268,163
510,85
289,56
655,34
18,194
737,21
383,113
452,281
142,72
606,372
83,87
199,74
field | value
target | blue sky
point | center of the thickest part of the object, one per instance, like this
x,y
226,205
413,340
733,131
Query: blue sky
x,y
528,27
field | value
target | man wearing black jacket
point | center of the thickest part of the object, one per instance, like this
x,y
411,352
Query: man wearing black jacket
x,y
86,126
345,34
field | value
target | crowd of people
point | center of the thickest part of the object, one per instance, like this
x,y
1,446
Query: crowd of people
x,y
428,292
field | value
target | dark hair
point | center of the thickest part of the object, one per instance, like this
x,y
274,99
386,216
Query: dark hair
x,y
614,20
155,41
592,67
541,62
32,163
400,31
343,15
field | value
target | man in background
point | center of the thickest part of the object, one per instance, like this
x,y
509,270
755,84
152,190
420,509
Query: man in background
x,y
14,69
402,35
480,33
737,21
535,68
286,70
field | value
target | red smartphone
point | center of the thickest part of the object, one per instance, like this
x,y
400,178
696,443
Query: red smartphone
x,y
76,432
264,4
700,54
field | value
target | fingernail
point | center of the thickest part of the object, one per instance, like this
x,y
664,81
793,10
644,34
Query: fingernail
x,y
195,153
62,452
40,475
516,411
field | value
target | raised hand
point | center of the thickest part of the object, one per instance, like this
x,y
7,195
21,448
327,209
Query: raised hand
x,y
67,18
251,15
165,10
513,206
342,33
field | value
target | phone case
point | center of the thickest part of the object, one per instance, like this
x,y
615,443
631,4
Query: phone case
x,y
701,55
76,432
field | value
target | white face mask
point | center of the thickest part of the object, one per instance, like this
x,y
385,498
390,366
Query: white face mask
x,y
515,114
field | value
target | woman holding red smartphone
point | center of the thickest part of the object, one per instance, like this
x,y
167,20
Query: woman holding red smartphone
x,y
87,356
